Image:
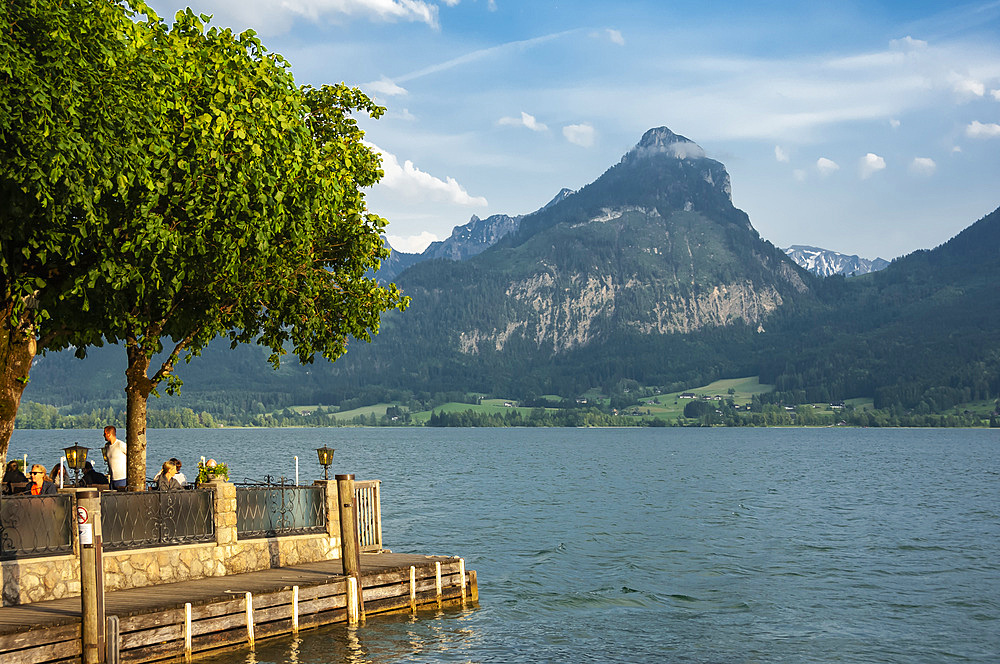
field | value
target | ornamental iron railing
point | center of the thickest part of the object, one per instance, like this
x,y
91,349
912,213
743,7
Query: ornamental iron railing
x,y
270,511
143,519
33,526
368,503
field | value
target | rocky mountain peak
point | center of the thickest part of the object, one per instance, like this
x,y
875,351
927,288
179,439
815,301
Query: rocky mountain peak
x,y
662,141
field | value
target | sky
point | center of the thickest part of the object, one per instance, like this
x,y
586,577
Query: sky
x,y
869,128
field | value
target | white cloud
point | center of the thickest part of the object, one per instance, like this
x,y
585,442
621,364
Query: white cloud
x,y
967,87
386,10
907,43
525,120
579,134
385,87
411,244
870,164
995,94
922,166
275,18
978,129
826,166
403,114
484,54
894,123
410,182
616,37
780,154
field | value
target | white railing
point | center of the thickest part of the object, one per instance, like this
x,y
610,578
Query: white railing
x,y
368,504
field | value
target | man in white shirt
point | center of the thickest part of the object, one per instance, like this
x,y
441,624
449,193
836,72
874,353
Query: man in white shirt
x,y
116,457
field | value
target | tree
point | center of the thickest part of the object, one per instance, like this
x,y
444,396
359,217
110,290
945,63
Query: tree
x,y
70,111
250,223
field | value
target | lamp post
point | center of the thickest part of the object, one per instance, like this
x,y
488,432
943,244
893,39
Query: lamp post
x,y
76,457
325,458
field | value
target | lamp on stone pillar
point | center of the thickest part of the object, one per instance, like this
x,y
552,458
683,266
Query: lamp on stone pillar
x,y
76,457
325,458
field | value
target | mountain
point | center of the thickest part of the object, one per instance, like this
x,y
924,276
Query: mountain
x,y
923,334
472,238
654,248
465,241
823,262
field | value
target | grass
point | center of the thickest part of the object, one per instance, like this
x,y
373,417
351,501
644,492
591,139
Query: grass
x,y
667,406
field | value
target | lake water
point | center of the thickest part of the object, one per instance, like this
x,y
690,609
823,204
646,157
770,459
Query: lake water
x,y
656,545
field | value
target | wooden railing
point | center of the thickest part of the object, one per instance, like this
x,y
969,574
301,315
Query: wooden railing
x,y
368,504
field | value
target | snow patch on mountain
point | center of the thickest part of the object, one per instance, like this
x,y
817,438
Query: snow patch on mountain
x,y
825,263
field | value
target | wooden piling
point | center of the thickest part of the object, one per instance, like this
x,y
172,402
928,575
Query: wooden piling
x,y
250,630
88,509
187,631
350,544
413,589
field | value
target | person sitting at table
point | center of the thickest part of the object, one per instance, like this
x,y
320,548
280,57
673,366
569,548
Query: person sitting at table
x,y
91,476
166,482
12,475
58,475
181,479
40,485
179,476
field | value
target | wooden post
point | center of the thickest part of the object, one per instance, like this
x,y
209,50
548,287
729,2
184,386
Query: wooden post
x,y
112,640
437,578
295,609
187,631
413,588
461,572
353,602
350,547
250,634
88,518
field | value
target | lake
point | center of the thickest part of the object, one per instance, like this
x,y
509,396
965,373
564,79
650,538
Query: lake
x,y
654,545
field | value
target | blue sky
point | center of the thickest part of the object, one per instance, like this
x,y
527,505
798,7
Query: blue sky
x,y
870,128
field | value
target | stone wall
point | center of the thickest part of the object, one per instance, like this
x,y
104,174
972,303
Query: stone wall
x,y
39,579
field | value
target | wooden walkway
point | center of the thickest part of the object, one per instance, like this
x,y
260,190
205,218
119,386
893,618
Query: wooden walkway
x,y
152,618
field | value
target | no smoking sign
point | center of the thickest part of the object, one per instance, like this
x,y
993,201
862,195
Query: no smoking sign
x,y
85,527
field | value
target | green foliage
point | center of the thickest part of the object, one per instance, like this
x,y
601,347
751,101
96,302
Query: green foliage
x,y
72,108
207,473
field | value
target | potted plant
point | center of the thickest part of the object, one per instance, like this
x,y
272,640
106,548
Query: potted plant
x,y
212,470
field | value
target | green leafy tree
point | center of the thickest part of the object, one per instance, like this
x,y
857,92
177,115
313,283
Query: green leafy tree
x,y
251,224
71,109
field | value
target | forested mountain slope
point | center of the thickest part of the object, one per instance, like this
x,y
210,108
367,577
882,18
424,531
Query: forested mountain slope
x,y
922,333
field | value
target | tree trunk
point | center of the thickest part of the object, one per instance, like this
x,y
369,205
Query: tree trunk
x,y
137,390
17,350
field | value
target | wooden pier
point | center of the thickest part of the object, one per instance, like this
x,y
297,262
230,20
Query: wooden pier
x,y
182,620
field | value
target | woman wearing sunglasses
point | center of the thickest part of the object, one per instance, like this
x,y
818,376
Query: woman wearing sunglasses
x,y
40,483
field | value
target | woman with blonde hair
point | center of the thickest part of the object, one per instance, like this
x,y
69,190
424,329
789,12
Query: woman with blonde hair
x,y
167,481
40,485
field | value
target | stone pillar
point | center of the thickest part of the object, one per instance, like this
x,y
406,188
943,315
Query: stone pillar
x,y
225,511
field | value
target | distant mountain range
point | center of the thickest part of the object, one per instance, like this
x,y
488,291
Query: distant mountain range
x,y
480,234
648,275
824,263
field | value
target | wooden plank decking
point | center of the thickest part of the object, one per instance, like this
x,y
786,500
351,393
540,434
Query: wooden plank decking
x,y
152,619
